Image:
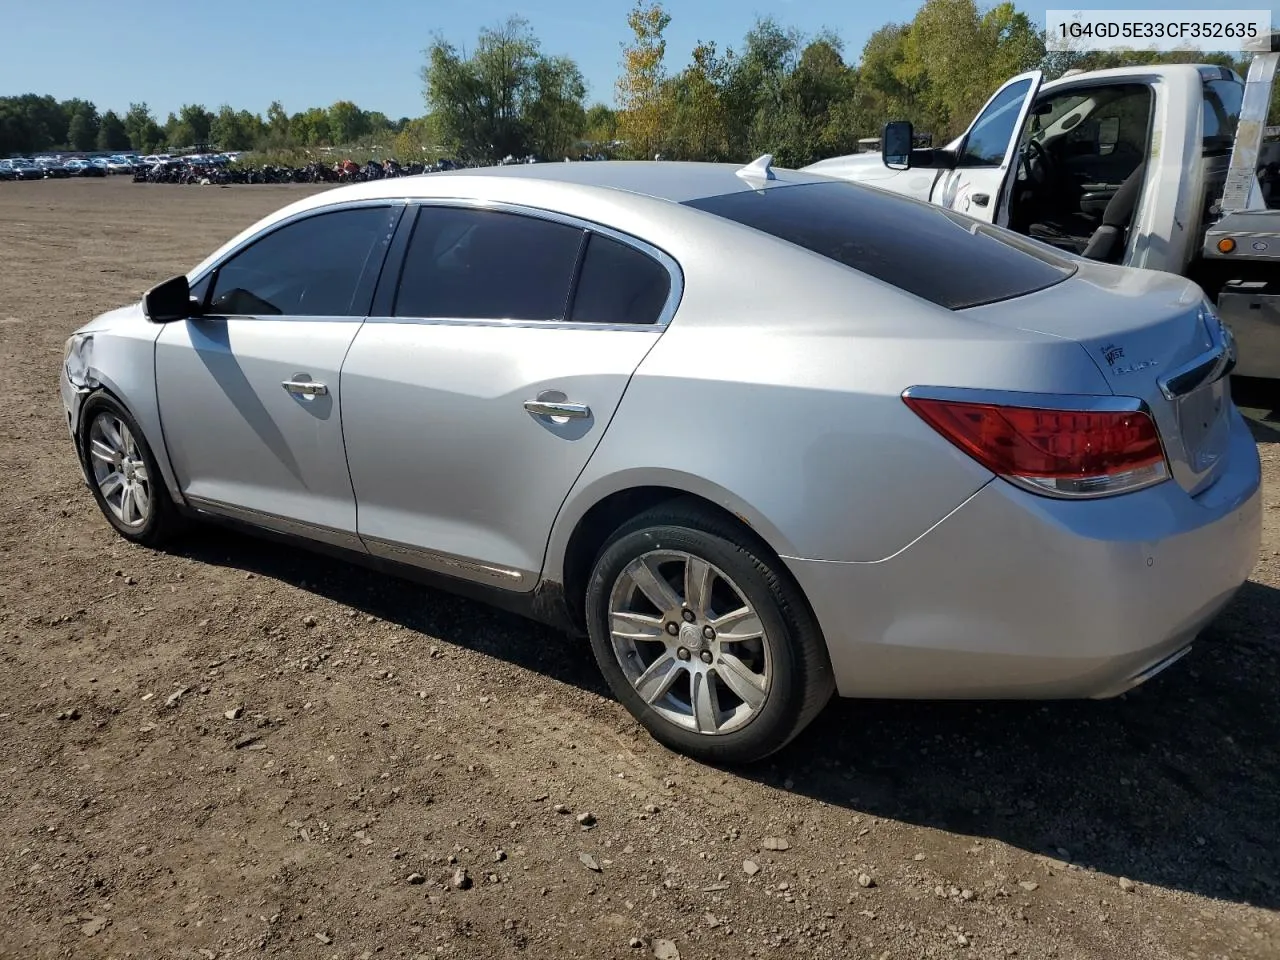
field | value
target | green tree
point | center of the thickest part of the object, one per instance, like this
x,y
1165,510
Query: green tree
x,y
233,129
506,99
601,124
82,133
81,129
144,133
699,117
642,91
347,122
553,111
111,133
311,127
277,121
760,119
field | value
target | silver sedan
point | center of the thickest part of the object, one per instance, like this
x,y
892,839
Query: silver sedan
x,y
761,435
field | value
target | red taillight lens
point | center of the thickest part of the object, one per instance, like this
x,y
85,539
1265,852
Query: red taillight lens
x,y
1075,453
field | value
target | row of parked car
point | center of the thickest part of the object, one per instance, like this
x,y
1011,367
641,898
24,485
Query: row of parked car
x,y
56,167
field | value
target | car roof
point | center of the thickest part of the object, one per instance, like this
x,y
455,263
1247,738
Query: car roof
x,y
676,181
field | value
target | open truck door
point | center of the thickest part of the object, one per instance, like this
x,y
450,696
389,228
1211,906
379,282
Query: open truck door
x,y
977,176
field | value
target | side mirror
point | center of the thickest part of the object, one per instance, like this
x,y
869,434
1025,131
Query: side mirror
x,y
896,143
169,301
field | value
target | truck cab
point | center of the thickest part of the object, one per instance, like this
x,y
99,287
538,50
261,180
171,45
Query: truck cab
x,y
1132,166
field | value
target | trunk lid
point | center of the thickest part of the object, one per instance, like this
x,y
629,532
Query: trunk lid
x,y
1151,336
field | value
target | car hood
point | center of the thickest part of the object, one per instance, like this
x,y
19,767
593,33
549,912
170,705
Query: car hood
x,y
130,316
855,166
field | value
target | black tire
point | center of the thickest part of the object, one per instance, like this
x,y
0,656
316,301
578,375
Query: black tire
x,y
163,521
801,683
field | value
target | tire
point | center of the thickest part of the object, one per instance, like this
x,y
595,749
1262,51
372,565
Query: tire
x,y
779,676
104,419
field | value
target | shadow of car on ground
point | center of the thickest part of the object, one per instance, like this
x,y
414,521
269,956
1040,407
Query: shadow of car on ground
x,y
1175,784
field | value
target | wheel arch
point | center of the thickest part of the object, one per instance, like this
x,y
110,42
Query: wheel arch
x,y
152,429
577,539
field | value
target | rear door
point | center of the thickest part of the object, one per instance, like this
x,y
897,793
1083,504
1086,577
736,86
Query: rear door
x,y
982,179
249,392
475,395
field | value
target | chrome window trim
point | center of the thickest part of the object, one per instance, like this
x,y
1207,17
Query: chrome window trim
x,y
674,271
389,202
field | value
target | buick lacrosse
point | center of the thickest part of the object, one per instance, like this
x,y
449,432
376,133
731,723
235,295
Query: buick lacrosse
x,y
760,435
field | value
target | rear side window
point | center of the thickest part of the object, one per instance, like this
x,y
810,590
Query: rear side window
x,y
619,284
308,268
1222,102
487,265
951,260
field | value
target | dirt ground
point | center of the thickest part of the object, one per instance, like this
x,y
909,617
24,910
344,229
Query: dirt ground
x,y
386,736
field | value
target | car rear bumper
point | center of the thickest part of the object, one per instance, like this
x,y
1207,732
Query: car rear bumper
x,y
1014,595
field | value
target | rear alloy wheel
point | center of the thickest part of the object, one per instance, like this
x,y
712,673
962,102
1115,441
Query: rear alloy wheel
x,y
124,478
704,638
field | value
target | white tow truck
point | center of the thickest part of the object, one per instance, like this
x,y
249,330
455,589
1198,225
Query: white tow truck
x,y
1159,167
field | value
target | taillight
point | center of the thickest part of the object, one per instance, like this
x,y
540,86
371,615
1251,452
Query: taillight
x,y
1066,448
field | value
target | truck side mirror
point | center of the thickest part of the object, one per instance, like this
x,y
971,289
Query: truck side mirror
x,y
896,144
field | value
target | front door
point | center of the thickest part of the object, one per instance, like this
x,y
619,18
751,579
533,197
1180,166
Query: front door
x,y
249,391
984,170
472,407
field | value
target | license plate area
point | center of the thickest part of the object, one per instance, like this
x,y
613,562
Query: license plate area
x,y
1203,426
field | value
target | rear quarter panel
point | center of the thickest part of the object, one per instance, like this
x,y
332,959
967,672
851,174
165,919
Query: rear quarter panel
x,y
776,393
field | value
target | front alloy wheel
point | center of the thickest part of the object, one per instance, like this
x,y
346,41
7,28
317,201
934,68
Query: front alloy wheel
x,y
123,475
119,470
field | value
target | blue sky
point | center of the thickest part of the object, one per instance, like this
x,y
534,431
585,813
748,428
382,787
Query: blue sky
x,y
313,52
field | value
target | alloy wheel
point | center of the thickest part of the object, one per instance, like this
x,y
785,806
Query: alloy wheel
x,y
120,470
690,642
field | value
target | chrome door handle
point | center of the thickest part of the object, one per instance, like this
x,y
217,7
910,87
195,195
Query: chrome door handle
x,y
305,388
570,411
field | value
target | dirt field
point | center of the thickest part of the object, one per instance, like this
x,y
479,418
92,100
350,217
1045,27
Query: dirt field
x,y
388,736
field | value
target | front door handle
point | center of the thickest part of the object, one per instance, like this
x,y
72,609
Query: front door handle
x,y
305,388
982,199
558,410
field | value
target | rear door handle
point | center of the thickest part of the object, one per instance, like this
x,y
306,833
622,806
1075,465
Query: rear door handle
x,y
569,411
305,388
982,199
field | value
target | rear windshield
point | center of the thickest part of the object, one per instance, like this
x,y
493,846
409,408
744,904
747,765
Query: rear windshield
x,y
941,256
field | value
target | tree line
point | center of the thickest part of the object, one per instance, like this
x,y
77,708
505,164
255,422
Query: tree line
x,y
799,98
32,123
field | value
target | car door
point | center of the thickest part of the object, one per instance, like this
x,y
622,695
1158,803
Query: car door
x,y
475,394
982,178
249,390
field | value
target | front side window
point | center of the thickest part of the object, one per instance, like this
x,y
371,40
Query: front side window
x,y
487,264
308,268
619,284
993,131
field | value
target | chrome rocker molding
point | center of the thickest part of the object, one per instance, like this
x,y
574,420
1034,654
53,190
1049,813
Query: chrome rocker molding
x,y
444,563
545,603
271,521
388,549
